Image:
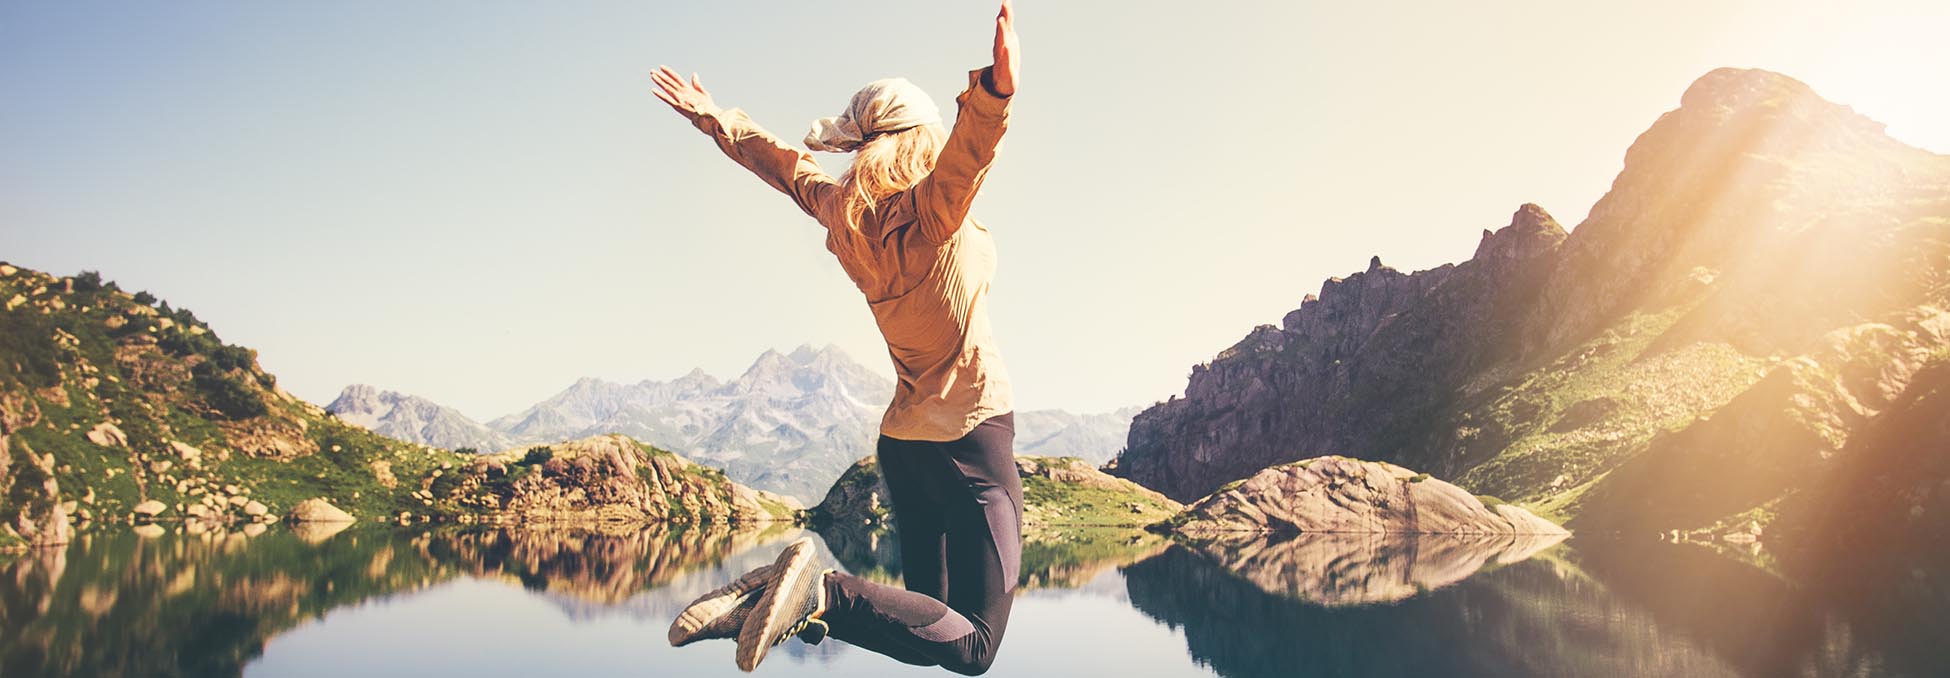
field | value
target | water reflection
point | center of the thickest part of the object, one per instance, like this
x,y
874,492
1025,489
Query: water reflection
x,y
176,603
1539,617
1363,569
1056,557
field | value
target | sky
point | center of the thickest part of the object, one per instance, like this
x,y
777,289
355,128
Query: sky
x,y
480,202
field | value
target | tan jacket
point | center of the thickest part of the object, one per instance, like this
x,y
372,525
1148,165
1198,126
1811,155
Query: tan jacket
x,y
933,262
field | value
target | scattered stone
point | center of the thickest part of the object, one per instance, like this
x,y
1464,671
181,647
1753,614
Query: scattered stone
x,y
185,450
255,508
107,435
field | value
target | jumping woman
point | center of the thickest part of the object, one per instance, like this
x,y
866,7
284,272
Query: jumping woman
x,y
898,222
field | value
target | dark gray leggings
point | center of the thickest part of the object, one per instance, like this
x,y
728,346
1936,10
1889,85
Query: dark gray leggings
x,y
958,506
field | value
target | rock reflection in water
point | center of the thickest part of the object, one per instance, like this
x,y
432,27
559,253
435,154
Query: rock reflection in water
x,y
599,565
1360,569
1540,617
178,603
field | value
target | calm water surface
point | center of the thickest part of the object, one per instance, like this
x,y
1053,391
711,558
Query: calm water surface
x,y
387,601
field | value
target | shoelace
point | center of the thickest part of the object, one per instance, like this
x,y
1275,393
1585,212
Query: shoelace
x,y
807,627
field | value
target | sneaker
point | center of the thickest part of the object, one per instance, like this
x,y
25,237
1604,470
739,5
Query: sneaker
x,y
792,600
720,613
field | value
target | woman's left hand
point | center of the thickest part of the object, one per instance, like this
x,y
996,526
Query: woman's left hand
x,y
1008,62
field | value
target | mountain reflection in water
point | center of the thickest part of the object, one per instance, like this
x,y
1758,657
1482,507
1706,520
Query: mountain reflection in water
x,y
511,600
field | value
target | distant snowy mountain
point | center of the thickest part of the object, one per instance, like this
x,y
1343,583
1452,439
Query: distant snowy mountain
x,y
1095,438
791,423
412,418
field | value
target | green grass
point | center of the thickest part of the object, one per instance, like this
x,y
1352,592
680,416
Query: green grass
x,y
1649,392
1066,504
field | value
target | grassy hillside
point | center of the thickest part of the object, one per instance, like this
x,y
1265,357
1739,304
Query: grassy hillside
x,y
109,399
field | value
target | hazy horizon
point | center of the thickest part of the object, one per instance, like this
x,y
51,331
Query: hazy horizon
x,y
481,203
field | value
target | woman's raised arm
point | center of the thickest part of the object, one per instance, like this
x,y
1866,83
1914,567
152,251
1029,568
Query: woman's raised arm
x,y
946,194
782,166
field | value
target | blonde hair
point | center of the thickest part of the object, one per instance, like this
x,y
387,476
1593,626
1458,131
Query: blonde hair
x,y
884,166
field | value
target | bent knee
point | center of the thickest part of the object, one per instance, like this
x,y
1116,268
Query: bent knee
x,y
972,666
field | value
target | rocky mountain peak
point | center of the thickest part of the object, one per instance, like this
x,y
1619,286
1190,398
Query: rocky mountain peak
x,y
1725,90
357,399
1531,232
806,354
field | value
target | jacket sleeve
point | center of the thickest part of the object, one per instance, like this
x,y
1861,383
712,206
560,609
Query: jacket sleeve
x,y
944,196
783,167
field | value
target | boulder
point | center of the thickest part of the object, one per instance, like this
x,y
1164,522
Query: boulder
x,y
106,434
255,508
150,508
185,450
317,510
1338,494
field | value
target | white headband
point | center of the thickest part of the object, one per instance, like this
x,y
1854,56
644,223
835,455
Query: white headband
x,y
887,105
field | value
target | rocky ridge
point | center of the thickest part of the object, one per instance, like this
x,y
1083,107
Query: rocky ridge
x,y
606,478
1755,290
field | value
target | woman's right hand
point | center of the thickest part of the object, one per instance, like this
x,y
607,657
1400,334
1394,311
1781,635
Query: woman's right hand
x,y
687,98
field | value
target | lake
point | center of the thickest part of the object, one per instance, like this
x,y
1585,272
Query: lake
x,y
378,600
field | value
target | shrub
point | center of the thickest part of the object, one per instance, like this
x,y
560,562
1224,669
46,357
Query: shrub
x,y
539,454
233,357
231,399
88,281
145,298
466,450
445,485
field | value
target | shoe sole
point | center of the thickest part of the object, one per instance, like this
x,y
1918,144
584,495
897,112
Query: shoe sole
x,y
710,606
784,595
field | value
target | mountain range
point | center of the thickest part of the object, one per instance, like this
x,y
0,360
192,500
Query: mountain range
x,y
791,423
1716,344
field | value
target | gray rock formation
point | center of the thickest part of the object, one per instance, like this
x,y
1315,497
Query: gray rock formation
x,y
1365,360
1342,495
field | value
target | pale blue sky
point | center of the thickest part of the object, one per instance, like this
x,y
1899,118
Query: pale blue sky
x,y
480,202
